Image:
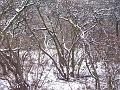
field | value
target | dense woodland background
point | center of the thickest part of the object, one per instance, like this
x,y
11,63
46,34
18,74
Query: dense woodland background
x,y
65,36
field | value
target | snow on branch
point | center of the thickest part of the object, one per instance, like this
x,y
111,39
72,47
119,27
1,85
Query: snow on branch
x,y
71,22
13,19
5,50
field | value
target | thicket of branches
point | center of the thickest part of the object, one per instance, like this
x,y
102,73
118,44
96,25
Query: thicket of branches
x,y
65,27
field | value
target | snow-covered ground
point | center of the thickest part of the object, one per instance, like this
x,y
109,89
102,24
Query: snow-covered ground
x,y
48,79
